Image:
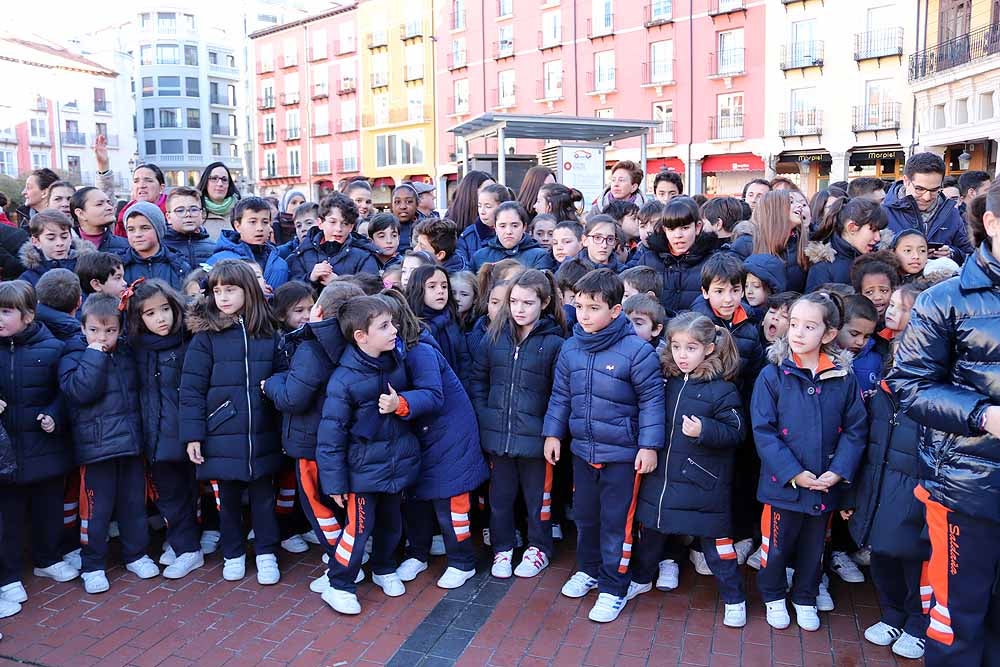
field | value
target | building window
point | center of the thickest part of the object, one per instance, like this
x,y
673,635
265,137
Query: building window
x,y
348,116
604,17
505,8
458,58
290,53
148,118
323,159
150,147
231,95
191,55
171,146
663,114
8,165
803,110
269,131
986,106
604,113
144,21
346,38
194,118
166,22
293,162
167,54
291,88
267,94
213,58
230,61
189,24
169,85
505,88
270,164
552,80
729,122
147,86
317,50
458,15
101,129
168,118
321,119
505,43
191,86
39,160
146,55
39,128
730,56
661,55
551,28
604,71
461,92
414,62
194,146
661,10
415,105
381,109
399,149
291,125
349,155
234,151
216,150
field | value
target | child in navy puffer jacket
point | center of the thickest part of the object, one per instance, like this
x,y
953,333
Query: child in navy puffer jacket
x,y
690,492
99,379
809,425
156,322
511,386
429,295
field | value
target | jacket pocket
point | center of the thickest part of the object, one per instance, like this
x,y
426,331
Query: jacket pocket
x,y
698,474
219,416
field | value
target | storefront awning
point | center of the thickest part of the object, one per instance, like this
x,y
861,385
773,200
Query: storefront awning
x,y
714,164
656,165
860,156
384,182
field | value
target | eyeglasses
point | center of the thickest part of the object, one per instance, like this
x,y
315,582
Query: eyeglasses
x,y
603,240
218,179
193,211
920,191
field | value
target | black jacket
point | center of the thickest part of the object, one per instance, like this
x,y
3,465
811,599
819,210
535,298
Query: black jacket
x,y
830,262
946,374
681,274
11,241
160,360
510,387
354,256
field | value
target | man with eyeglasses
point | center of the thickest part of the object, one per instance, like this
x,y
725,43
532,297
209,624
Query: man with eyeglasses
x,y
917,202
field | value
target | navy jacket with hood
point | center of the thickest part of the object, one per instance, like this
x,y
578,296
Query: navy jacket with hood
x,y
690,492
195,247
450,340
528,252
298,392
61,325
511,385
359,450
230,246
802,422
160,360
867,365
354,256
166,265
102,393
830,262
222,406
35,264
29,383
945,225
472,239
475,335
607,395
681,274
795,275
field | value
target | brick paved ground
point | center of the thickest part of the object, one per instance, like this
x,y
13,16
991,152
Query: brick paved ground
x,y
203,620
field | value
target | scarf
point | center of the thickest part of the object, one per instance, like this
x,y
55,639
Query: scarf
x,y
221,209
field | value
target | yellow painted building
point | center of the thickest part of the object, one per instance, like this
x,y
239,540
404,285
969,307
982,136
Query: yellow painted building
x,y
397,92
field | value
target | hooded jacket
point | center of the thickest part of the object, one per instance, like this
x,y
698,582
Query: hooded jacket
x,y
348,258
29,383
830,262
946,374
109,242
805,422
35,264
681,274
795,275
102,392
359,450
690,492
221,404
160,360
166,265
945,225
527,251
472,239
195,247
61,325
510,387
450,340
867,366
769,270
230,246
607,394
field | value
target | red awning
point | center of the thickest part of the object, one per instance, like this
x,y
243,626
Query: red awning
x,y
451,177
384,182
418,178
656,165
714,164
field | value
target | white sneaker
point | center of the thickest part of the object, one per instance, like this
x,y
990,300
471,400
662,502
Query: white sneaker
x,y
268,573
635,590
210,541
607,608
8,608
73,559
806,617
579,585
184,565
14,592
59,571
310,537
863,557
368,548
95,582
234,569
501,564
390,584
743,549
410,568
669,576
113,531
824,601
321,583
455,578
437,546
845,568
754,559
908,646
486,536
295,545
144,568
342,601
736,615
168,556
557,534
882,634
326,559
700,564
777,614
533,562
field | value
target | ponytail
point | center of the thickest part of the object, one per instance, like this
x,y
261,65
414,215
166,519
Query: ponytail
x,y
727,352
860,211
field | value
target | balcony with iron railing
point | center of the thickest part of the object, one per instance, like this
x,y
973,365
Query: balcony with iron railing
x,y
40,104
345,125
102,106
548,92
316,53
458,107
320,129
378,39
503,49
222,101
662,133
731,62
876,117
321,167
659,12
224,70
457,60
320,89
380,79
878,43
292,134
342,46
290,98
411,30
413,72
457,20
548,41
267,137
268,173
602,27
74,139
725,128
962,50
347,85
222,131
658,73
802,123
720,7
602,84
265,102
800,55
503,99
265,67
347,165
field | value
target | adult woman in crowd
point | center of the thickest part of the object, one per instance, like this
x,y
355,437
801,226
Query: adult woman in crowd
x,y
36,194
148,184
559,201
284,226
626,177
778,231
464,209
534,179
219,194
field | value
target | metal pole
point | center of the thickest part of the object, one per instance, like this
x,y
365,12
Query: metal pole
x,y
501,159
642,159
465,156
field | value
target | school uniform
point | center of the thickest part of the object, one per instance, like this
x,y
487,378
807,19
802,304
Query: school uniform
x,y
108,242
474,336
607,395
36,264
830,262
472,239
348,258
448,335
61,325
102,392
746,335
681,274
195,247
230,246
368,456
165,265
795,275
867,365
527,251
802,421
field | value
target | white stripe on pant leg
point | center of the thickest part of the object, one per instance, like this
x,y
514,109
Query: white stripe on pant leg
x,y
455,516
331,535
286,504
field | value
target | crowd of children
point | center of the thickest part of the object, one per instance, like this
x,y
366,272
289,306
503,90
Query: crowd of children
x,y
653,374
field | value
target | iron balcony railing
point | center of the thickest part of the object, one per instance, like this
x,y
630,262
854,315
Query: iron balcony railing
x,y
802,123
878,43
873,117
967,48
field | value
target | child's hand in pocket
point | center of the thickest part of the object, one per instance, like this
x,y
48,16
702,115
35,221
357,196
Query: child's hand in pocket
x,y
48,423
691,426
846,514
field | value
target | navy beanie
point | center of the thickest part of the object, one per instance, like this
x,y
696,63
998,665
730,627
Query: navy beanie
x,y
769,269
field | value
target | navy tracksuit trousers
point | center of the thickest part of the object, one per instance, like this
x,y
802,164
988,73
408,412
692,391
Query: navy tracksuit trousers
x,y
376,515
719,554
113,488
44,500
175,492
229,496
533,478
901,593
423,518
791,539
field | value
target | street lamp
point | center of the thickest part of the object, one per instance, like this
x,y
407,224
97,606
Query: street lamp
x,y
964,159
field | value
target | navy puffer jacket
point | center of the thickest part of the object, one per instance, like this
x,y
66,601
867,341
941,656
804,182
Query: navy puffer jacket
x,y
887,516
831,262
607,394
359,450
29,383
472,239
102,392
160,360
801,422
231,246
511,385
195,247
354,256
946,374
298,392
681,274
36,264
946,224
61,325
528,252
795,275
222,406
441,415
474,336
746,335
690,492
165,265
450,340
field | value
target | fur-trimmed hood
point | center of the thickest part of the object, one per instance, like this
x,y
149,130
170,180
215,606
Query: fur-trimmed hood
x,y
31,257
780,351
197,320
709,369
817,252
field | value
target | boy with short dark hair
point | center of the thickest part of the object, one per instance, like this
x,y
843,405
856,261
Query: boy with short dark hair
x,y
305,219
249,240
438,237
641,280
567,275
365,452
51,246
383,230
101,272
647,316
186,234
567,240
614,436
857,336
59,297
